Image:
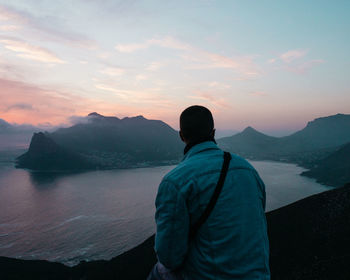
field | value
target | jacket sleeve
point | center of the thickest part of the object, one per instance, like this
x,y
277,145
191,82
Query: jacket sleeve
x,y
172,219
261,188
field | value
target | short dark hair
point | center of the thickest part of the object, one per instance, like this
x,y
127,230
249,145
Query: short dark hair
x,y
196,123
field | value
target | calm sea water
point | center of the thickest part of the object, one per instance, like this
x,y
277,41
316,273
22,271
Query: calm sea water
x,y
100,214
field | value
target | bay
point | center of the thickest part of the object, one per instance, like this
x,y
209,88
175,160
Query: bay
x,y
100,214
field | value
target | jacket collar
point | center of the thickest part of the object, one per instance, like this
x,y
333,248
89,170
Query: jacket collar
x,y
198,148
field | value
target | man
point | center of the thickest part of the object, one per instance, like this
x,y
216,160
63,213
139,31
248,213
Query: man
x,y
232,243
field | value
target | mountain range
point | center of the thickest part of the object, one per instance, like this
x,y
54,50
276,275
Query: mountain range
x,y
319,138
101,142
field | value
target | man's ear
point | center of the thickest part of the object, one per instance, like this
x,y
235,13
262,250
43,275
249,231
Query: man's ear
x,y
181,136
213,133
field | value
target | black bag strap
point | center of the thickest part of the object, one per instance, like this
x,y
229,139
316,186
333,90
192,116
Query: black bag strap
x,y
214,198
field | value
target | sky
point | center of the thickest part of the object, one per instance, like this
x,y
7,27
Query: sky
x,y
272,65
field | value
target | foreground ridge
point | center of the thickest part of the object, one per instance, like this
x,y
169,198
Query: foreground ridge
x,y
309,239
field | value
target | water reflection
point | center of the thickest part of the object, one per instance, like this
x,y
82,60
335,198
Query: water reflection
x,y
48,179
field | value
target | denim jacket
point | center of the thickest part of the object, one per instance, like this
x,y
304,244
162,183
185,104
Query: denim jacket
x,y
233,242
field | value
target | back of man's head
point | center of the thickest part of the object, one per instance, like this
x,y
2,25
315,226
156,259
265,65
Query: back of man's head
x,y
196,124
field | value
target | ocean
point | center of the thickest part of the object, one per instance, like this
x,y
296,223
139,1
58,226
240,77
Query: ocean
x,y
100,214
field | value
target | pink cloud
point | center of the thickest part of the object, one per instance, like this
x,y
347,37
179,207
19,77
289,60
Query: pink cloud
x,y
218,85
9,27
211,98
272,60
26,103
259,93
304,67
142,97
40,28
166,42
20,107
291,55
47,105
113,71
153,66
197,58
28,51
292,61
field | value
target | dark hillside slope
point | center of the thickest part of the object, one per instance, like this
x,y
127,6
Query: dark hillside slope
x,y
309,239
333,170
321,133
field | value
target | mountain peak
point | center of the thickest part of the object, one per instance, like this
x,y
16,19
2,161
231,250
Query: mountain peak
x,y
136,118
250,132
249,129
4,124
140,117
94,114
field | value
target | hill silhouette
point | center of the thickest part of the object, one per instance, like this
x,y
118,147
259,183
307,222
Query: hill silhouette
x,y
333,170
251,143
45,154
321,133
109,142
106,142
317,140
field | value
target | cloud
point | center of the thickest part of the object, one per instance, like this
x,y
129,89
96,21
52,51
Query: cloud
x,y
211,97
9,27
305,66
43,28
218,85
20,106
26,103
129,48
171,43
166,42
7,14
153,66
56,106
142,97
244,66
78,119
29,51
292,61
291,55
197,58
120,93
113,71
141,77
259,93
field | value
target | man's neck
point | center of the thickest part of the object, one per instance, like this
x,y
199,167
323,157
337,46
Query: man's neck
x,y
191,144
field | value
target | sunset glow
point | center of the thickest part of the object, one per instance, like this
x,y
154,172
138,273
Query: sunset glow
x,y
270,65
